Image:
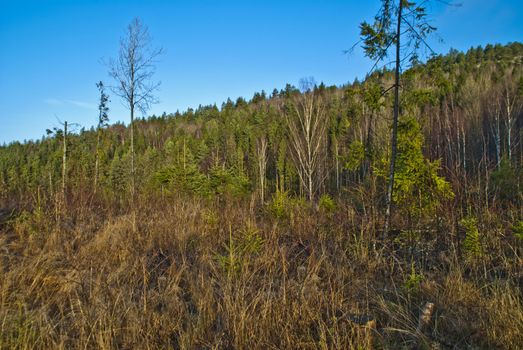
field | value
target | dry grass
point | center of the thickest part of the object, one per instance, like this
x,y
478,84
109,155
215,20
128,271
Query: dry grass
x,y
202,275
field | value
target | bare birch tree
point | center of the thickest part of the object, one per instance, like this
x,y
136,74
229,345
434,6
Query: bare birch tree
x,y
307,122
513,104
495,110
261,157
133,71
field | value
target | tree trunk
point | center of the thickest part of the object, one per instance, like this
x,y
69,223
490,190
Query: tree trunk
x,y
261,146
64,162
132,150
497,140
133,190
96,162
394,141
485,165
369,145
509,124
464,149
310,187
337,160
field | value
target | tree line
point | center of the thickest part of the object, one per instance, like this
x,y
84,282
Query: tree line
x,y
460,132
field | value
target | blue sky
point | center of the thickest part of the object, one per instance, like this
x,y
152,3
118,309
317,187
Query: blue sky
x,y
52,50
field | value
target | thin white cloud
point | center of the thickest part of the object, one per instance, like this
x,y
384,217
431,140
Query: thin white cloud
x,y
64,102
53,102
81,104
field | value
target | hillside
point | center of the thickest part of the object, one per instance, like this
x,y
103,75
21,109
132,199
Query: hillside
x,y
241,230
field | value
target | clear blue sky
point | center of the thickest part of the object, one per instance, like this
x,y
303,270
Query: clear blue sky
x,y
51,50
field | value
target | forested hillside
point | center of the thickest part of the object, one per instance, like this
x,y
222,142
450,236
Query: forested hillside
x,y
258,223
462,110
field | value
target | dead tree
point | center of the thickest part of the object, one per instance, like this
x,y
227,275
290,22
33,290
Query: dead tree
x,y
133,71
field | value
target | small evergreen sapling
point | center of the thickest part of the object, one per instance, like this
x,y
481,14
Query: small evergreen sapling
x,y
418,187
471,245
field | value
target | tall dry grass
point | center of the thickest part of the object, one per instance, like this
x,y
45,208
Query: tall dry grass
x,y
194,274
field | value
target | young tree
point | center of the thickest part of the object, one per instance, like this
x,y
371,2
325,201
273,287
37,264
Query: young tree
x,y
260,140
513,103
133,71
261,158
419,188
307,121
63,133
103,120
372,96
378,38
339,124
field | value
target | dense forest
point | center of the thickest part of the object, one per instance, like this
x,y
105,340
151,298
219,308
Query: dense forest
x,y
259,223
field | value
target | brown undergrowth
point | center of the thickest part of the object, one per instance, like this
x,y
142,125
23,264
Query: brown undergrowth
x,y
195,274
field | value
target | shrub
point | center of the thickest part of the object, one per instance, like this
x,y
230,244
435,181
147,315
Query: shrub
x,y
240,249
472,244
219,181
280,205
407,237
327,204
507,181
413,281
186,180
355,156
518,230
418,189
228,181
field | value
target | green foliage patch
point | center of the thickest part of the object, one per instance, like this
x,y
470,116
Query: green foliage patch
x,y
472,246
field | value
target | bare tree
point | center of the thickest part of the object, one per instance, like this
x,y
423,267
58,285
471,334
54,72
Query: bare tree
x,y
495,111
133,71
261,157
307,121
513,104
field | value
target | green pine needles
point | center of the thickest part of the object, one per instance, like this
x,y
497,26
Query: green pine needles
x,y
418,187
472,247
241,249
